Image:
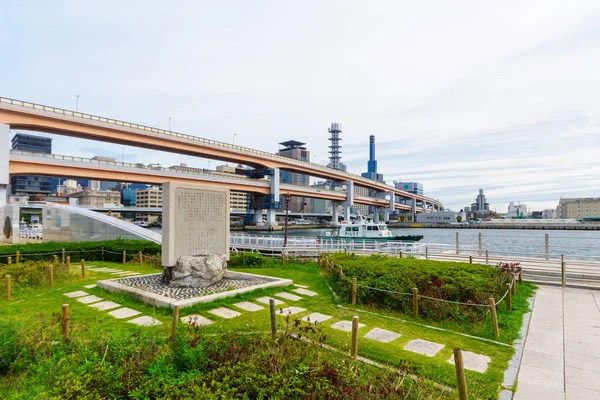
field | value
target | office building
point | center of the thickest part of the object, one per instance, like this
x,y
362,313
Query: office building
x,y
363,209
149,198
238,201
129,197
89,197
372,163
410,187
68,187
549,213
481,204
579,208
441,217
31,185
297,151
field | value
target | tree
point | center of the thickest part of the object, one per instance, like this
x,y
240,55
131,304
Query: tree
x,y
401,217
458,218
409,218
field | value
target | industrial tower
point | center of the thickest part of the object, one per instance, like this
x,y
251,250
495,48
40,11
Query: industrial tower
x,y
335,147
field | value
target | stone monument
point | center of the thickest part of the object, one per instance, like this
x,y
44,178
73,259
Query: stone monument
x,y
195,232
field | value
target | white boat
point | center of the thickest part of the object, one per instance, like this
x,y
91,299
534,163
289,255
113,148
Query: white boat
x,y
366,229
301,221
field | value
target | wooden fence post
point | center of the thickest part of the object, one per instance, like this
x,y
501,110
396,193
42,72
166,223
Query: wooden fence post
x,y
480,244
354,337
18,257
62,259
124,256
65,321
9,260
7,287
487,256
341,275
547,246
273,320
102,252
514,286
563,270
492,303
400,253
508,297
140,258
354,291
51,274
521,276
55,259
82,268
174,322
470,259
460,375
68,263
282,258
426,253
415,303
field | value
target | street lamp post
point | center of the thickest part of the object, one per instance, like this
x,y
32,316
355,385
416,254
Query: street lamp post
x,y
77,103
234,138
169,124
287,212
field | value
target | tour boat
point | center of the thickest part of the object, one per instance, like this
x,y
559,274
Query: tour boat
x,y
367,230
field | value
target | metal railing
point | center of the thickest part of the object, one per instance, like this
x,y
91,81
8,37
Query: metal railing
x,y
214,143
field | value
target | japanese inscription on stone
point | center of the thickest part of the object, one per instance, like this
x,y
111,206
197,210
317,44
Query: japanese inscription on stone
x,y
195,221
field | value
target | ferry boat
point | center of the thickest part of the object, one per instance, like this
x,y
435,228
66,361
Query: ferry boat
x,y
367,230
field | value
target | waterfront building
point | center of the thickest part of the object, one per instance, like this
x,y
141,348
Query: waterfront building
x,y
149,198
31,185
481,203
89,197
68,187
364,209
579,208
441,217
517,211
549,213
297,151
238,201
129,197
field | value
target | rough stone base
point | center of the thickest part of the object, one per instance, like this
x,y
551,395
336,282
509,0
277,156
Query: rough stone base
x,y
196,271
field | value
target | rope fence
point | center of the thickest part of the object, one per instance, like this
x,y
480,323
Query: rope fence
x,y
490,306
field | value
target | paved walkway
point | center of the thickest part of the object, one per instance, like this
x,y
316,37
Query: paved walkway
x,y
561,359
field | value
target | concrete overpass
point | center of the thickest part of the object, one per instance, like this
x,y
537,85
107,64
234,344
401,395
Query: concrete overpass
x,y
34,117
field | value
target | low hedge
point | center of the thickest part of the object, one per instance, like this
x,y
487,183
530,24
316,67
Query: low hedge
x,y
113,250
454,282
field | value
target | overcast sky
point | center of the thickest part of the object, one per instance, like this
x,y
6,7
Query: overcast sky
x,y
461,95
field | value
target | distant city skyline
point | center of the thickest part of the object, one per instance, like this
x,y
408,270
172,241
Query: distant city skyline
x,y
501,97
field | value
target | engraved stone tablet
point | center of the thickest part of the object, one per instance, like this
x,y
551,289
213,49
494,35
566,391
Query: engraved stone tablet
x,y
195,221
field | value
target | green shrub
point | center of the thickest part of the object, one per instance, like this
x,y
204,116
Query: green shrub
x,y
90,251
454,282
247,260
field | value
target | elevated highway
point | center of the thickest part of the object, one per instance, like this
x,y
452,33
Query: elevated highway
x,y
35,117
28,163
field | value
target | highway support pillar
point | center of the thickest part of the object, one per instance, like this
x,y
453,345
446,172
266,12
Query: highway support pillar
x,y
349,200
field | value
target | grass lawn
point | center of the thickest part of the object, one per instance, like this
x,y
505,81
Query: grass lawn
x,y
44,305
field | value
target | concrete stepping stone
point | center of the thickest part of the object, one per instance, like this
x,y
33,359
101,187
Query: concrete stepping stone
x,y
224,312
423,347
265,300
301,286
288,296
291,310
316,318
382,335
305,292
345,326
474,362
145,321
196,320
123,313
90,286
78,293
248,306
89,299
105,305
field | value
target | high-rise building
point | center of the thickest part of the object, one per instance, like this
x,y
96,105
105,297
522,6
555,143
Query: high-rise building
x,y
297,151
31,185
335,148
517,211
481,203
